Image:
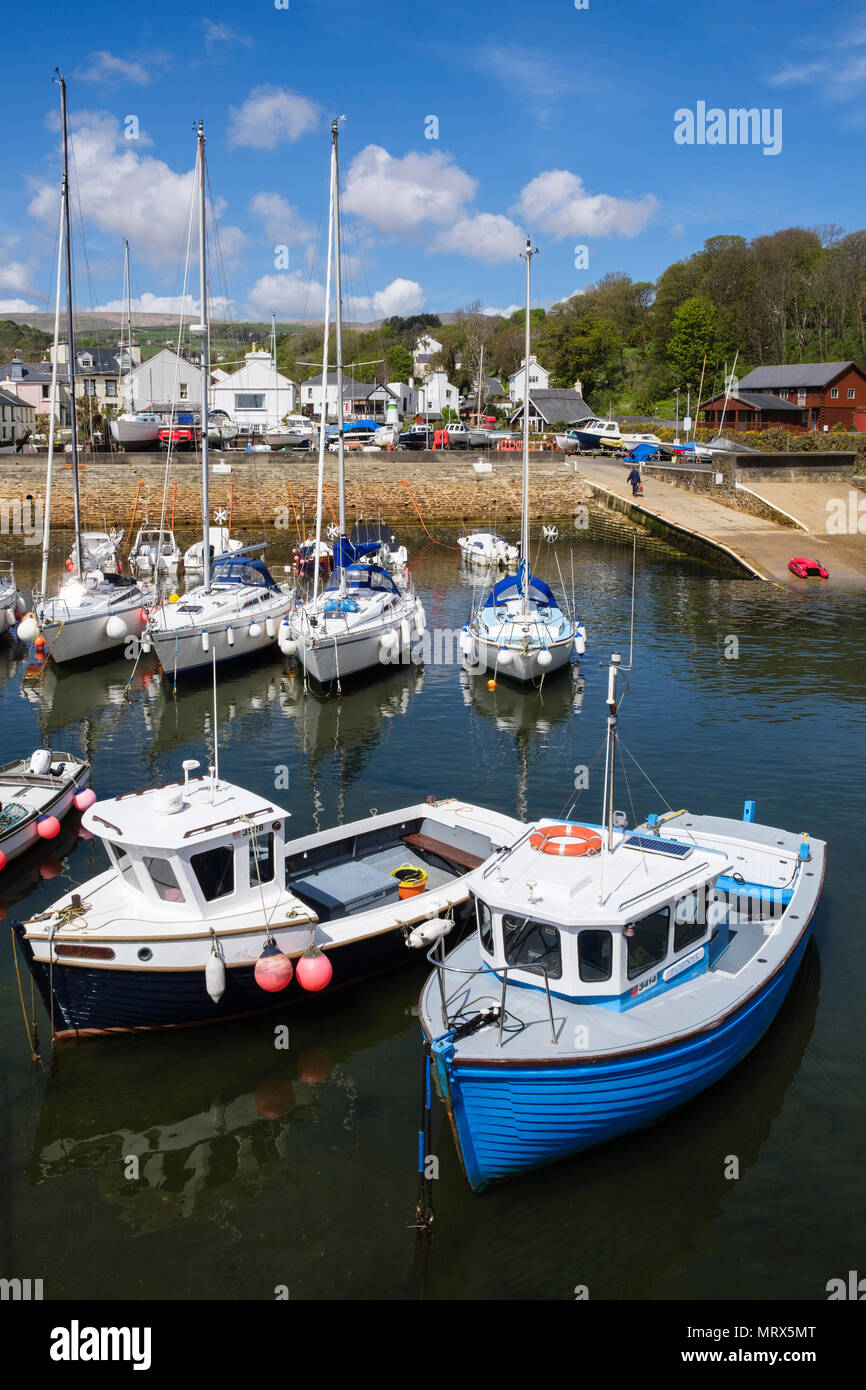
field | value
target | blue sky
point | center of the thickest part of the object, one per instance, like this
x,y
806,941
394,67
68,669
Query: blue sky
x,y
552,120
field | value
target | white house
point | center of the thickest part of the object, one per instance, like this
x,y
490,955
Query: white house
x,y
256,396
426,349
16,417
538,379
437,394
406,397
165,382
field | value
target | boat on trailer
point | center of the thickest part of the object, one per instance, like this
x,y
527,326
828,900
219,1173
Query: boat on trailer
x,y
614,974
203,886
35,795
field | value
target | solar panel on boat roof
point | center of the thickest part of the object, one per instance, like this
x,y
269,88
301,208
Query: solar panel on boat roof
x,y
651,844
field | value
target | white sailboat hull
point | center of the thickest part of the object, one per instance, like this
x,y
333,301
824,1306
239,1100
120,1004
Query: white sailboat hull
x,y
180,646
136,434
72,634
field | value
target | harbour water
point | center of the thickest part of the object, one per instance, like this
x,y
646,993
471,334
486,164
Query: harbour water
x,y
262,1169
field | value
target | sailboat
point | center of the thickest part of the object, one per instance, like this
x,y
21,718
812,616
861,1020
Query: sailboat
x,y
93,611
133,429
362,618
520,631
239,607
295,432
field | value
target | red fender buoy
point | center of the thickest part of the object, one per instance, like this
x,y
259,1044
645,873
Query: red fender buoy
x,y
315,971
47,827
273,970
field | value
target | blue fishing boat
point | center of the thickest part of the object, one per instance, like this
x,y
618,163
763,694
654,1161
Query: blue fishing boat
x,y
614,974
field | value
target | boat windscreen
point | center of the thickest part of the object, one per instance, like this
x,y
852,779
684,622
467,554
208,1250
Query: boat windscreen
x,y
361,577
242,571
511,588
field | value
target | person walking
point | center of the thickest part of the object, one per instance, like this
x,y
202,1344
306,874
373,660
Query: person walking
x,y
634,479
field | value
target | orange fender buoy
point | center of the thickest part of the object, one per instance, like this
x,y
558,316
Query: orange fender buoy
x,y
572,840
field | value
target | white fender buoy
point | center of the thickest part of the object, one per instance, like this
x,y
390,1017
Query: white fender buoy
x,y
230,635
420,616
215,976
146,644
255,630
116,628
428,932
465,641
544,657
269,627
405,631
27,628
580,644
205,641
504,657
288,646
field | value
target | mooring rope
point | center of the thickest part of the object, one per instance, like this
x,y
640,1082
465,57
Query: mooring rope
x,y
405,484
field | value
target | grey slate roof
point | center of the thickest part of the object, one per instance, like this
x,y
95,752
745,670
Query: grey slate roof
x,y
792,375
764,401
551,405
7,398
16,370
106,361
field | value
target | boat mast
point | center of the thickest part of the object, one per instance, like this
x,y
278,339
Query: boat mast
x,y
323,420
274,360
128,295
52,404
524,542
205,363
341,456
76,500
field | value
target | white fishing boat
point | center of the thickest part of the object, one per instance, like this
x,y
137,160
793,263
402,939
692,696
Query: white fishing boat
x,y
221,428
100,550
362,619
219,543
295,432
12,603
93,611
155,551
207,911
35,795
598,436
484,548
520,631
137,430
238,608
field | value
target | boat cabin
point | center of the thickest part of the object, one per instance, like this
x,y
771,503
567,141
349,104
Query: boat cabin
x,y
194,849
241,569
609,927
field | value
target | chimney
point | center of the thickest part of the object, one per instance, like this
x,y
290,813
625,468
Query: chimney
x,y
578,386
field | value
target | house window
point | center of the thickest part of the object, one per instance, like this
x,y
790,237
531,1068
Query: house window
x,y
801,397
111,388
183,391
834,394
850,393
246,400
86,361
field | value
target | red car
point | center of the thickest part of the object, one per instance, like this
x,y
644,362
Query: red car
x,y
807,569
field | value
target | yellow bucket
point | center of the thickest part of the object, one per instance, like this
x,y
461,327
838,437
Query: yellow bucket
x,y
411,879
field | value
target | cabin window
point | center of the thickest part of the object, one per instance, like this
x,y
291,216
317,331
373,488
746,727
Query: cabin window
x,y
485,926
649,944
594,955
215,871
123,860
261,857
690,919
163,879
532,945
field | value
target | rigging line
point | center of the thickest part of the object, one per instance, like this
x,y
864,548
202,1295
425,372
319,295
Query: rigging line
x,y
174,389
643,773
571,804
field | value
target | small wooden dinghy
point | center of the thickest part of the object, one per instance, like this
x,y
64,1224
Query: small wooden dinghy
x,y
35,795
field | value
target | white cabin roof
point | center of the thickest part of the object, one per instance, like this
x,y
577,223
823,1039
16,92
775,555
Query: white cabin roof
x,y
609,889
136,818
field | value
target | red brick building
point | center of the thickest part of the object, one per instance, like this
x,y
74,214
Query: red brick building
x,y
798,396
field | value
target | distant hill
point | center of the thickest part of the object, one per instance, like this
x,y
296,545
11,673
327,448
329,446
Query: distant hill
x,y
18,339
106,323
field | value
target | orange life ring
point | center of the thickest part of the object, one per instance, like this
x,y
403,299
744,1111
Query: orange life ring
x,y
578,840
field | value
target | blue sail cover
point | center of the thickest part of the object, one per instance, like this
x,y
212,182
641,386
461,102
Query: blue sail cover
x,y
641,452
512,588
362,576
348,552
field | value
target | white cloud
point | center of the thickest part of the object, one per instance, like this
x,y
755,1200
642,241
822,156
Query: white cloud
x,y
557,203
530,75
18,306
106,68
839,71
15,276
485,236
292,296
271,115
129,194
398,196
501,313
280,221
216,35
148,303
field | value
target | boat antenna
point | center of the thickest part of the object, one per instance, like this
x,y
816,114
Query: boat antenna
x,y
76,500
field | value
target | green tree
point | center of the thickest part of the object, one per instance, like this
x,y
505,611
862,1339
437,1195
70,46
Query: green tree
x,y
398,363
694,336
